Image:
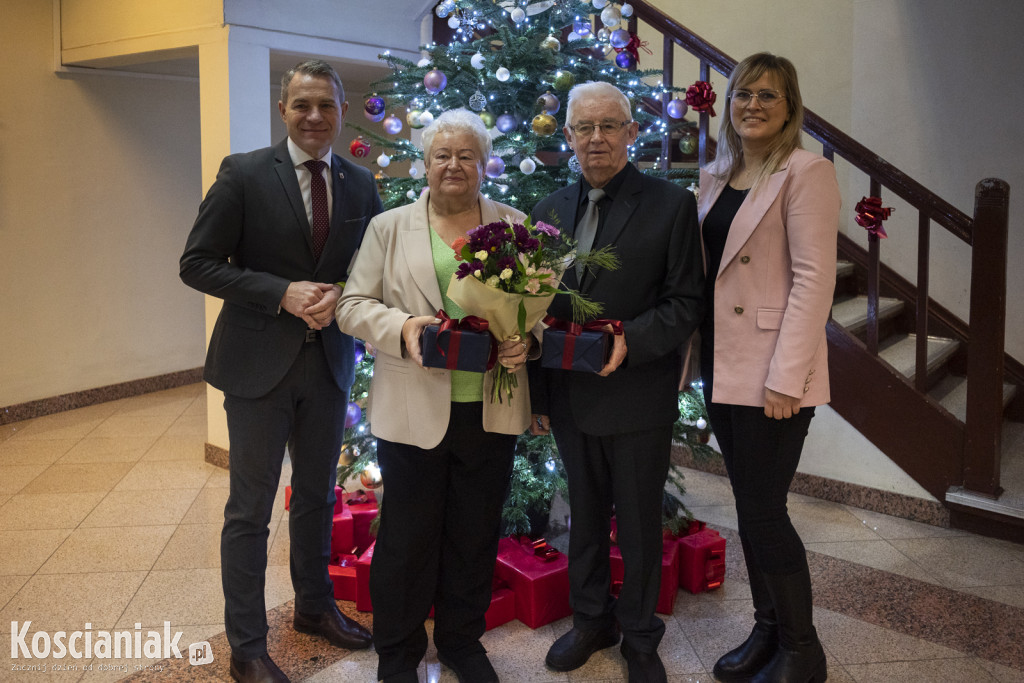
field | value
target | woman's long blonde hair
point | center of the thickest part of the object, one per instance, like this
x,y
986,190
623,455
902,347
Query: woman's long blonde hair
x,y
730,147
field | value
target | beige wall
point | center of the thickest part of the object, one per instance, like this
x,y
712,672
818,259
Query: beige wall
x,y
101,179
100,176
934,92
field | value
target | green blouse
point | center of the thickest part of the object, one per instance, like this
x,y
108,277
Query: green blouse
x,y
467,387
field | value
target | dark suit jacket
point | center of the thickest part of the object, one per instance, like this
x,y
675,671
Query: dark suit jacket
x,y
250,240
657,293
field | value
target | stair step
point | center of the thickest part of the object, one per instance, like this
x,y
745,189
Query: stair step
x,y
852,313
1008,504
844,269
902,354
951,393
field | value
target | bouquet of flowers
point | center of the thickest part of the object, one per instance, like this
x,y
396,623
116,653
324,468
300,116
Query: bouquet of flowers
x,y
508,275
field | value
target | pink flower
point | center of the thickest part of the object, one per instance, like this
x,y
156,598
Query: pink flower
x,y
533,285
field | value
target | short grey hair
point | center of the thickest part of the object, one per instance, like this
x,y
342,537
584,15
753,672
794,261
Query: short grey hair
x,y
597,90
458,121
312,67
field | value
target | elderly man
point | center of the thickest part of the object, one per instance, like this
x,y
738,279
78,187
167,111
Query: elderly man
x,y
614,428
276,232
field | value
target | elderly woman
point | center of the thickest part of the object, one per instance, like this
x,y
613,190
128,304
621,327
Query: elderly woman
x,y
444,450
769,214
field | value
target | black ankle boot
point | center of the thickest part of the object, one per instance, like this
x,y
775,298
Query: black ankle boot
x,y
800,657
741,663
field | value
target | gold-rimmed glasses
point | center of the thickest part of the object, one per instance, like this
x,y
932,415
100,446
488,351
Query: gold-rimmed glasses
x,y
766,98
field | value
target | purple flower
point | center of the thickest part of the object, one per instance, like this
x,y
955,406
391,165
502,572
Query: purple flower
x,y
466,269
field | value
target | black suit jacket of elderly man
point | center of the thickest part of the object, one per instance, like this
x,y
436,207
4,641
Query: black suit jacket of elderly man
x,y
282,386
614,432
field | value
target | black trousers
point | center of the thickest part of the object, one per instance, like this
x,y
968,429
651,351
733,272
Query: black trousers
x,y
627,471
761,456
437,540
306,412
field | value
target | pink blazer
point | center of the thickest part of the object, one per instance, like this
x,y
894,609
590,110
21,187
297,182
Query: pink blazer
x,y
774,290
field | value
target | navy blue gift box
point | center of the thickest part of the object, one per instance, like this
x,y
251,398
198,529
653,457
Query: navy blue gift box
x,y
586,352
462,349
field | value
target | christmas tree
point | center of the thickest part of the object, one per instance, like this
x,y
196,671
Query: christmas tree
x,y
514,63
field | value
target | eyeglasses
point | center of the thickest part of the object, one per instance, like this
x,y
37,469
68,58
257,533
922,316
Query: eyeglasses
x,y
586,129
766,98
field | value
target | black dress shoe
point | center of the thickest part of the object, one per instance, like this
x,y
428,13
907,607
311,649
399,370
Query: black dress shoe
x,y
262,670
338,629
474,668
573,649
403,677
644,667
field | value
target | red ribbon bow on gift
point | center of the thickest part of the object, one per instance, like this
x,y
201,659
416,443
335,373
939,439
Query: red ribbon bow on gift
x,y
634,46
470,323
700,97
871,213
540,548
572,331
358,497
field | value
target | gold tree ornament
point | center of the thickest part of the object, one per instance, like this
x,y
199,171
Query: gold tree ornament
x,y
544,124
370,477
349,454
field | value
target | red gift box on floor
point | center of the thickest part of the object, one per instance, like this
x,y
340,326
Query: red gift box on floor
x,y
342,534
503,606
669,585
343,576
703,561
363,603
338,503
363,505
539,577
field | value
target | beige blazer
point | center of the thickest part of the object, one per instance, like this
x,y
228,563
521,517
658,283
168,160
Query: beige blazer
x,y
774,290
393,279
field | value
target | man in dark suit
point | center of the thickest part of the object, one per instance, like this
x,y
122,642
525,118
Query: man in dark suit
x,y
274,238
614,428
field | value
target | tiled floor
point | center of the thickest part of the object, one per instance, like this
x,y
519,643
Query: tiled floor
x,y
110,517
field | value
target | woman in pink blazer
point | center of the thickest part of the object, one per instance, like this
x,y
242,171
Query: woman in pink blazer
x,y
769,214
445,451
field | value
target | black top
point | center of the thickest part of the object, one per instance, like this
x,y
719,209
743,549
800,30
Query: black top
x,y
715,230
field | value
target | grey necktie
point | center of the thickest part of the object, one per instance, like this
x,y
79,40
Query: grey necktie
x,y
587,228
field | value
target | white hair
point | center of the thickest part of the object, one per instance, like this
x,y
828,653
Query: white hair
x,y
597,90
458,121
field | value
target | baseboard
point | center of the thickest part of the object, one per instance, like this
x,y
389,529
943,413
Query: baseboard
x,y
886,502
88,397
216,456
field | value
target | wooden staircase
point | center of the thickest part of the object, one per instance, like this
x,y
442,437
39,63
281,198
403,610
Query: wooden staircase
x,y
936,395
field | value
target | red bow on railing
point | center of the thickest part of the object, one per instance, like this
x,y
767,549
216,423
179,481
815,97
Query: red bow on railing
x,y
572,331
470,323
700,97
871,213
634,46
